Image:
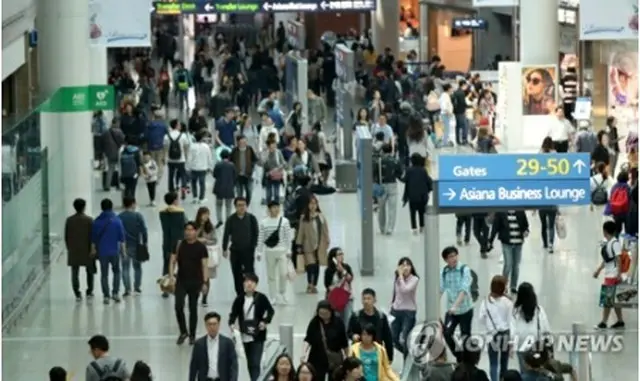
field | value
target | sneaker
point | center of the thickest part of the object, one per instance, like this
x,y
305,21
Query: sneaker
x,y
601,325
89,295
137,292
204,200
78,298
126,294
182,338
550,250
283,299
152,203
116,299
106,301
195,201
414,231
192,340
165,295
219,224
501,259
205,304
618,325
459,240
483,255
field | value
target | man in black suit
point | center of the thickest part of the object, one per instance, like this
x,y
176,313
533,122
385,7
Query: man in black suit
x,y
214,356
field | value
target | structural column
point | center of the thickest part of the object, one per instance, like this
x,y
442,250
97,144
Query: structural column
x,y
539,32
424,31
64,61
99,70
384,24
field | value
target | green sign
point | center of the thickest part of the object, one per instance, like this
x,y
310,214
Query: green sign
x,y
81,99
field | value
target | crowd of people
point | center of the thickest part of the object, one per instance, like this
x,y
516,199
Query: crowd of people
x,y
410,113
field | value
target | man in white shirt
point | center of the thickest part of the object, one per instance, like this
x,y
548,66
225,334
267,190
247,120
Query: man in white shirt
x,y
176,144
561,131
200,162
214,356
383,127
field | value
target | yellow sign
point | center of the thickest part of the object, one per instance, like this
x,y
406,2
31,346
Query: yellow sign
x,y
549,166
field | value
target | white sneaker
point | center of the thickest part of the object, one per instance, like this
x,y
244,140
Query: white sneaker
x,y
501,259
283,299
153,203
203,200
194,201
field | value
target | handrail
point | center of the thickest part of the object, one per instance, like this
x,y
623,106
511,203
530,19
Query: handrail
x,y
273,348
407,368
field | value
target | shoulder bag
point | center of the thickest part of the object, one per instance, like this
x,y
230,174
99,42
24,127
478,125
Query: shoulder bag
x,y
276,173
249,326
498,335
142,251
274,238
334,359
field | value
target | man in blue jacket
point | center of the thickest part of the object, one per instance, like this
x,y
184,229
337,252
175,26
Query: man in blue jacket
x,y
156,131
108,242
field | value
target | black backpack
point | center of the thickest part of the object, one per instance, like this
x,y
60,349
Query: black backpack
x,y
107,373
313,143
175,151
474,289
600,196
274,238
291,207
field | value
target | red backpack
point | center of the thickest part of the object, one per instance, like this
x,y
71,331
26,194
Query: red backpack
x,y
619,201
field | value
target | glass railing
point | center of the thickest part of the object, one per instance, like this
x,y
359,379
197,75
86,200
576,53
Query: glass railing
x,y
29,171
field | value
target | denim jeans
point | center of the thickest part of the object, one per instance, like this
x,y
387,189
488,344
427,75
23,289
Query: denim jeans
x,y
511,267
272,189
130,184
105,262
177,176
254,350
498,356
462,131
127,262
345,315
548,226
244,188
403,323
198,181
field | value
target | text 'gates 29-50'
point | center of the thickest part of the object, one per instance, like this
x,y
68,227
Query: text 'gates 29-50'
x,y
514,180
252,6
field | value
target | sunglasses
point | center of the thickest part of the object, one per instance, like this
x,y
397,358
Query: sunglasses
x,y
534,81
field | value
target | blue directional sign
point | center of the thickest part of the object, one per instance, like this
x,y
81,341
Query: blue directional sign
x,y
514,180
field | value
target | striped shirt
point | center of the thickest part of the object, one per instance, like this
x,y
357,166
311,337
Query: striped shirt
x,y
570,87
515,233
267,227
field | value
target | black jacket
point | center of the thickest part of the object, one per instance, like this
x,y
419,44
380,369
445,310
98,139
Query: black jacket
x,y
500,226
600,155
378,320
459,100
241,238
262,311
418,185
172,219
224,172
227,360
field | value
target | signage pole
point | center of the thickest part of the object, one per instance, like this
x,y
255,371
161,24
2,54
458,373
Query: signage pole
x,y
365,187
432,263
515,25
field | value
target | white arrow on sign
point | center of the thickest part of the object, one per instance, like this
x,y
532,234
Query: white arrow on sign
x,y
451,194
208,7
324,5
266,6
579,165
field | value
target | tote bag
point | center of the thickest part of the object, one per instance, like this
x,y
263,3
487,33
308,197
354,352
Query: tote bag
x,y
561,227
214,259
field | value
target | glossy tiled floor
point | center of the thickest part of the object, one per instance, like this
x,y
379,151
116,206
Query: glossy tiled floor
x,y
57,328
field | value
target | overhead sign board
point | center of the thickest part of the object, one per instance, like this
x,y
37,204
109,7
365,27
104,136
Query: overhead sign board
x,y
253,6
513,180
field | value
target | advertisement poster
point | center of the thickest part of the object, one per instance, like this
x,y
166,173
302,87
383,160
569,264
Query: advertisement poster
x,y
539,89
622,91
109,26
618,20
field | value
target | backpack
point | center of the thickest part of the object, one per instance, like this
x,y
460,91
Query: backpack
x,y
619,201
175,151
128,165
607,254
313,143
107,373
474,289
599,196
183,84
291,207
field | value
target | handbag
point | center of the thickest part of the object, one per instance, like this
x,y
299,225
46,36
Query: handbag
x,y
274,238
334,359
339,297
249,326
499,334
214,260
561,227
300,260
291,271
276,174
142,252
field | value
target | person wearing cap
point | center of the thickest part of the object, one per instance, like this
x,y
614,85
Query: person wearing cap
x,y
251,312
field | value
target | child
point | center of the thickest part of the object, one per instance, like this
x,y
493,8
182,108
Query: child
x,y
150,176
